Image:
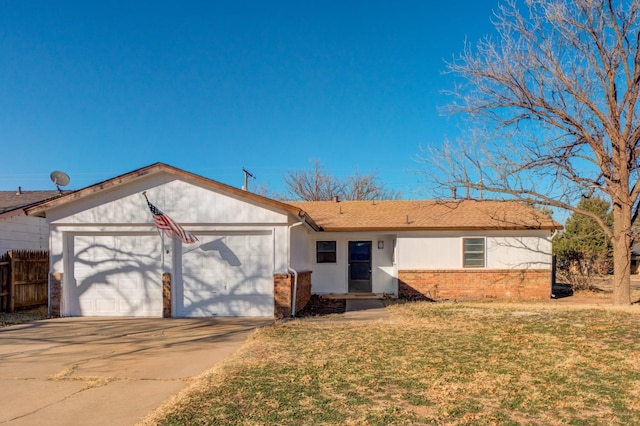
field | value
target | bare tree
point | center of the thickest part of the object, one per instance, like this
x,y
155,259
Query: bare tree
x,y
313,185
318,185
367,187
553,99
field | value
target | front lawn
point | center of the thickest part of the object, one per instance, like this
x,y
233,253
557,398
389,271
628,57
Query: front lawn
x,y
433,364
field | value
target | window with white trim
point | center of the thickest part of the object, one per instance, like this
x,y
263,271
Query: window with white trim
x,y
325,251
473,252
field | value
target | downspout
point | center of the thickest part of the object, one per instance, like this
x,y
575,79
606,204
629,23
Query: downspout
x,y
290,268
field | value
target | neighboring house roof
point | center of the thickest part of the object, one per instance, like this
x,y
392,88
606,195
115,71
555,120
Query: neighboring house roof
x,y
401,215
41,208
12,201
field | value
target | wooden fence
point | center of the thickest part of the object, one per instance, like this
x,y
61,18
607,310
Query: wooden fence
x,y
23,279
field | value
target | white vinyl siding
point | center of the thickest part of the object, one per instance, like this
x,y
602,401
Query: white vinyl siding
x,y
23,233
443,250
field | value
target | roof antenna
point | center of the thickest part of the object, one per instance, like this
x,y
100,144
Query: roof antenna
x,y
247,175
59,179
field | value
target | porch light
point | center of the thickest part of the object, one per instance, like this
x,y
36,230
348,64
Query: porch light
x,y
380,244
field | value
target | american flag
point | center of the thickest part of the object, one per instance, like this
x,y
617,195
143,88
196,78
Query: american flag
x,y
170,228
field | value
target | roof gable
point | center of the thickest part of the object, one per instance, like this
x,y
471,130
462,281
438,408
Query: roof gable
x,y
107,187
401,215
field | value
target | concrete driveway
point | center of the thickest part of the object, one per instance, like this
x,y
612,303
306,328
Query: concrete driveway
x,y
99,371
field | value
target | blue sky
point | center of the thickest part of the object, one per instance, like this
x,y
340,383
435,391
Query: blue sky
x,y
98,89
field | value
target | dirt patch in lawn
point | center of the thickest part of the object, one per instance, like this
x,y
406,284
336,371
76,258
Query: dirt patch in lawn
x,y
320,306
601,293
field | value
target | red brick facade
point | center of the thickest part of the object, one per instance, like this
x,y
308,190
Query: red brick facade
x,y
55,294
467,284
283,293
166,295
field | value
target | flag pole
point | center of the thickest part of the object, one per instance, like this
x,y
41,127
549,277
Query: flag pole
x,y
144,194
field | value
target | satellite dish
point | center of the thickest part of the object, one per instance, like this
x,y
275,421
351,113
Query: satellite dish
x,y
59,179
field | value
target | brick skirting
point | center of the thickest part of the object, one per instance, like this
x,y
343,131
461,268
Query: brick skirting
x,y
283,293
521,284
55,294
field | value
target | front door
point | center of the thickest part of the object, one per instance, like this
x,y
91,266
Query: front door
x,y
359,266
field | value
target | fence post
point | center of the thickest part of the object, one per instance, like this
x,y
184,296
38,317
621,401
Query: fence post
x,y
5,279
12,283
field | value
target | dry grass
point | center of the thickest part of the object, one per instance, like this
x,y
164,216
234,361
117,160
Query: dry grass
x,y
434,364
24,316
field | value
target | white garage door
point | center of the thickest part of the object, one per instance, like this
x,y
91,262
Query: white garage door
x,y
227,275
115,275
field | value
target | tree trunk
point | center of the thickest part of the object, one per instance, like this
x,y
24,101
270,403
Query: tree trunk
x,y
621,254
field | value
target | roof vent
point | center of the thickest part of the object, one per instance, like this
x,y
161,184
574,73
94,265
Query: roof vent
x,y
19,192
336,199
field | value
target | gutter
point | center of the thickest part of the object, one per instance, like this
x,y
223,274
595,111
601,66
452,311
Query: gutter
x,y
290,268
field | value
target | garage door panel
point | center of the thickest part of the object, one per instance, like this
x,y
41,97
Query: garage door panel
x,y
237,306
228,275
250,305
115,275
106,306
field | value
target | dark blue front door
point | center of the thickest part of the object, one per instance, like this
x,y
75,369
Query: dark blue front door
x,y
359,266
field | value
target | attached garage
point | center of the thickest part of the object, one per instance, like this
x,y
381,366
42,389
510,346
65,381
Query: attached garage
x,y
108,258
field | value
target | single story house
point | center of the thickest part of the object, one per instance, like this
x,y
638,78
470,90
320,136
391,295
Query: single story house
x,y
17,230
260,257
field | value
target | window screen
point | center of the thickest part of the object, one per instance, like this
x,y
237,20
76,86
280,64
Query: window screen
x,y
473,252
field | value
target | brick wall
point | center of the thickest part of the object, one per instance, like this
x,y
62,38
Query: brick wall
x,y
55,294
283,292
523,284
166,295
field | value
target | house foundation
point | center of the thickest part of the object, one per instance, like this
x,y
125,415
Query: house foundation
x,y
522,284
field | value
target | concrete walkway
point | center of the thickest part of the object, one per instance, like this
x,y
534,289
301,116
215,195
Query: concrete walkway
x,y
107,371
366,310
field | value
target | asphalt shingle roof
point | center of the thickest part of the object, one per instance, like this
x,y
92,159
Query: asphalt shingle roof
x,y
424,215
12,200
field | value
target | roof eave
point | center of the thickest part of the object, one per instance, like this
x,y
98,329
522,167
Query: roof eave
x,y
308,220
41,208
428,228
13,212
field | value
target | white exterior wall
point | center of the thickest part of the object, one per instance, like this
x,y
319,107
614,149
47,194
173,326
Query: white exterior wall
x,y
504,249
333,277
23,233
197,209
186,203
301,255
